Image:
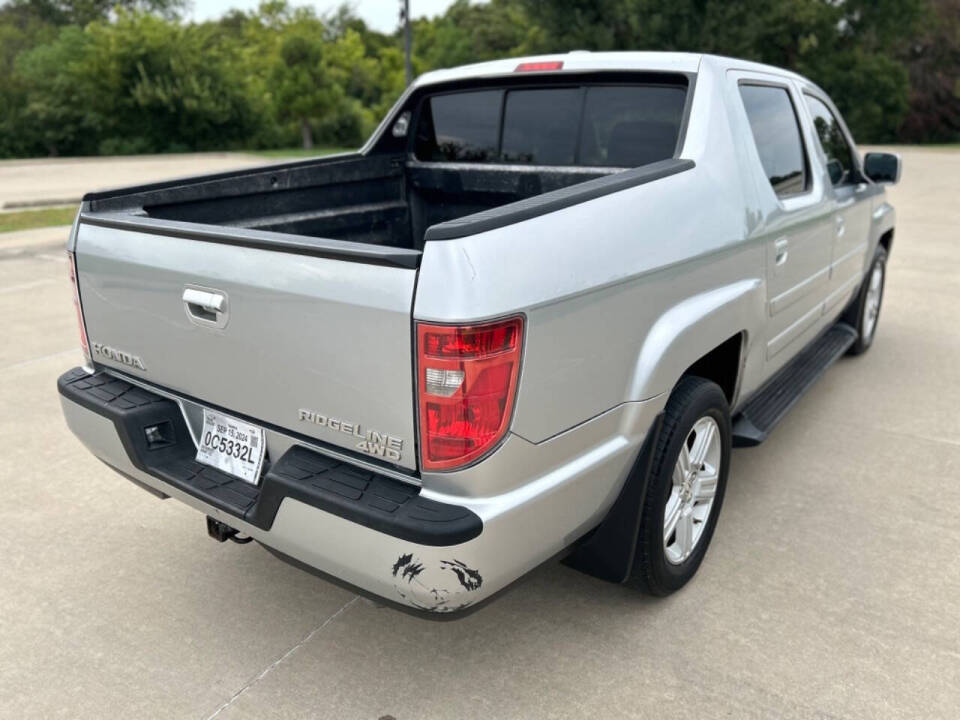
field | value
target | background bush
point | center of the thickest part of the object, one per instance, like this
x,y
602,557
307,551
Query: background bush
x,y
84,77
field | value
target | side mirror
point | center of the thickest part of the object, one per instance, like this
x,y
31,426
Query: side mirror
x,y
882,167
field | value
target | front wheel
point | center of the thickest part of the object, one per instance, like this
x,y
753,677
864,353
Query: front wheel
x,y
865,312
688,477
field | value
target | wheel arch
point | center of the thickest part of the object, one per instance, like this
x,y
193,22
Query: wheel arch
x,y
886,240
722,365
705,335
884,221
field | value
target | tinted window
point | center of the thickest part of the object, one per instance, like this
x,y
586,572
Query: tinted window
x,y
540,126
460,127
777,136
834,144
615,125
630,126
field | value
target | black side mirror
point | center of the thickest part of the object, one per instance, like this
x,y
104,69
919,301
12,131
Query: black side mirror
x,y
882,167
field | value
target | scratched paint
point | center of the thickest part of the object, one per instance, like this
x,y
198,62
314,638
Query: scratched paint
x,y
444,586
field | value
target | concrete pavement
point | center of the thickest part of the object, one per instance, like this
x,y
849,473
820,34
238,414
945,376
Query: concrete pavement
x,y
63,181
831,590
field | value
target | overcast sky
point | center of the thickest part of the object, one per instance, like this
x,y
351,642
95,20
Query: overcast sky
x,y
382,15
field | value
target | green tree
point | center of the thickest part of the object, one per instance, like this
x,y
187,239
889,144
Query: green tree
x,y
933,64
138,84
17,35
470,33
81,12
303,78
851,48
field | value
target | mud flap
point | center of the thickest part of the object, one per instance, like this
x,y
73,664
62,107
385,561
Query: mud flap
x,y
609,551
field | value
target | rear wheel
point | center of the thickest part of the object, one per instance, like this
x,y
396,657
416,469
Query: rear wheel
x,y
865,312
688,477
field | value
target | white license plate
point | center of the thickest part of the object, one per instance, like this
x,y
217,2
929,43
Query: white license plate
x,y
233,446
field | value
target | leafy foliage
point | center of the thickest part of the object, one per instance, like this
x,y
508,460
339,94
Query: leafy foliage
x,y
124,76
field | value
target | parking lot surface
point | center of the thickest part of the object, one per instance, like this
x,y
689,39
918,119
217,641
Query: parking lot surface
x,y
51,181
831,589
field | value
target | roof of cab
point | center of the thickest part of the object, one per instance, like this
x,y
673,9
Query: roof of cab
x,y
583,60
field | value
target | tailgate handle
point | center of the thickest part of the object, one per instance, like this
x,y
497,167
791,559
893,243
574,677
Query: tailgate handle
x,y
205,307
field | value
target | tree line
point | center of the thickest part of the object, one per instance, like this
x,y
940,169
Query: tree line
x,y
87,77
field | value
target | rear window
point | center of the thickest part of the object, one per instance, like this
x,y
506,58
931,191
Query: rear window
x,y
630,126
540,126
463,127
615,126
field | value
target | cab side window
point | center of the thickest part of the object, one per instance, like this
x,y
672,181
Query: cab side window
x,y
832,141
776,133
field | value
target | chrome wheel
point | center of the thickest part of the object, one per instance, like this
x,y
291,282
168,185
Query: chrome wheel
x,y
871,304
695,478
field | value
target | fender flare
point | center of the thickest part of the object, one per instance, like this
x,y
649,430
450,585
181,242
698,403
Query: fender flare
x,y
690,329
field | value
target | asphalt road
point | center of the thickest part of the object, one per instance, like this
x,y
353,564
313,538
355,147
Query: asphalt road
x,y
831,590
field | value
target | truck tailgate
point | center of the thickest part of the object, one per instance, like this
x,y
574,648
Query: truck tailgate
x,y
317,345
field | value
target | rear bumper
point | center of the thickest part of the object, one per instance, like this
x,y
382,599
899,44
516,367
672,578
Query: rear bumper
x,y
429,551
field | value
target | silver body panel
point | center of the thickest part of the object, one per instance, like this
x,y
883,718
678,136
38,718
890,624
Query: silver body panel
x,y
621,294
329,336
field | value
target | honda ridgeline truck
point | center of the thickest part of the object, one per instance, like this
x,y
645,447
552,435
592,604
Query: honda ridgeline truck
x,y
530,317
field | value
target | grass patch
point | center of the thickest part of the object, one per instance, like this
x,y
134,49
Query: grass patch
x,y
299,152
30,219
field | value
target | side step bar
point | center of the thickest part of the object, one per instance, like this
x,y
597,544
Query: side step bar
x,y
759,416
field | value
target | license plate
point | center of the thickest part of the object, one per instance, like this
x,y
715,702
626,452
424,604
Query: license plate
x,y
233,446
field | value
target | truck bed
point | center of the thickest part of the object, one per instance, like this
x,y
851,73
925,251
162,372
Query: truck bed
x,y
384,200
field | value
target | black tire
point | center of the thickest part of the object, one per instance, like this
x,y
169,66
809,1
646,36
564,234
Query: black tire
x,y
692,399
855,315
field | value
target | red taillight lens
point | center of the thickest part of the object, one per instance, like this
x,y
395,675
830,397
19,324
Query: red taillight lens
x,y
539,66
466,379
72,263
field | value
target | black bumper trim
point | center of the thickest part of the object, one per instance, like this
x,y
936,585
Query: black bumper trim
x,y
362,496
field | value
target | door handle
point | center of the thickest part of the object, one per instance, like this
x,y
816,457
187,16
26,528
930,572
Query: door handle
x,y
841,226
781,251
205,307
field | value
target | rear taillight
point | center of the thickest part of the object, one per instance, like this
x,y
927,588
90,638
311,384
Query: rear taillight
x,y
72,263
466,380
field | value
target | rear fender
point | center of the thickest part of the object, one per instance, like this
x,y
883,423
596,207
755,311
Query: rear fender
x,y
689,330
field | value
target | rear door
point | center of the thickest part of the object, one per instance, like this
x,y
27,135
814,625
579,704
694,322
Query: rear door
x,y
317,345
796,226
853,202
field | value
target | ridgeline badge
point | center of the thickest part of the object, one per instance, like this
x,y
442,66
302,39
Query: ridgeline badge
x,y
371,441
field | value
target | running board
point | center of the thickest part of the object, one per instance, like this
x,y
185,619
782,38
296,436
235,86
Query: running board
x,y
764,410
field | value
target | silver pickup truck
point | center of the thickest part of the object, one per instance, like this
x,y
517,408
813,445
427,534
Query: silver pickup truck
x,y
529,318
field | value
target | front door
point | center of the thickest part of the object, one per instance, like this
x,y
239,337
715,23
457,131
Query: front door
x,y
853,198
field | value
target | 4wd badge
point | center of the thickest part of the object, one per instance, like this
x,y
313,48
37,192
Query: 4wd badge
x,y
371,441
